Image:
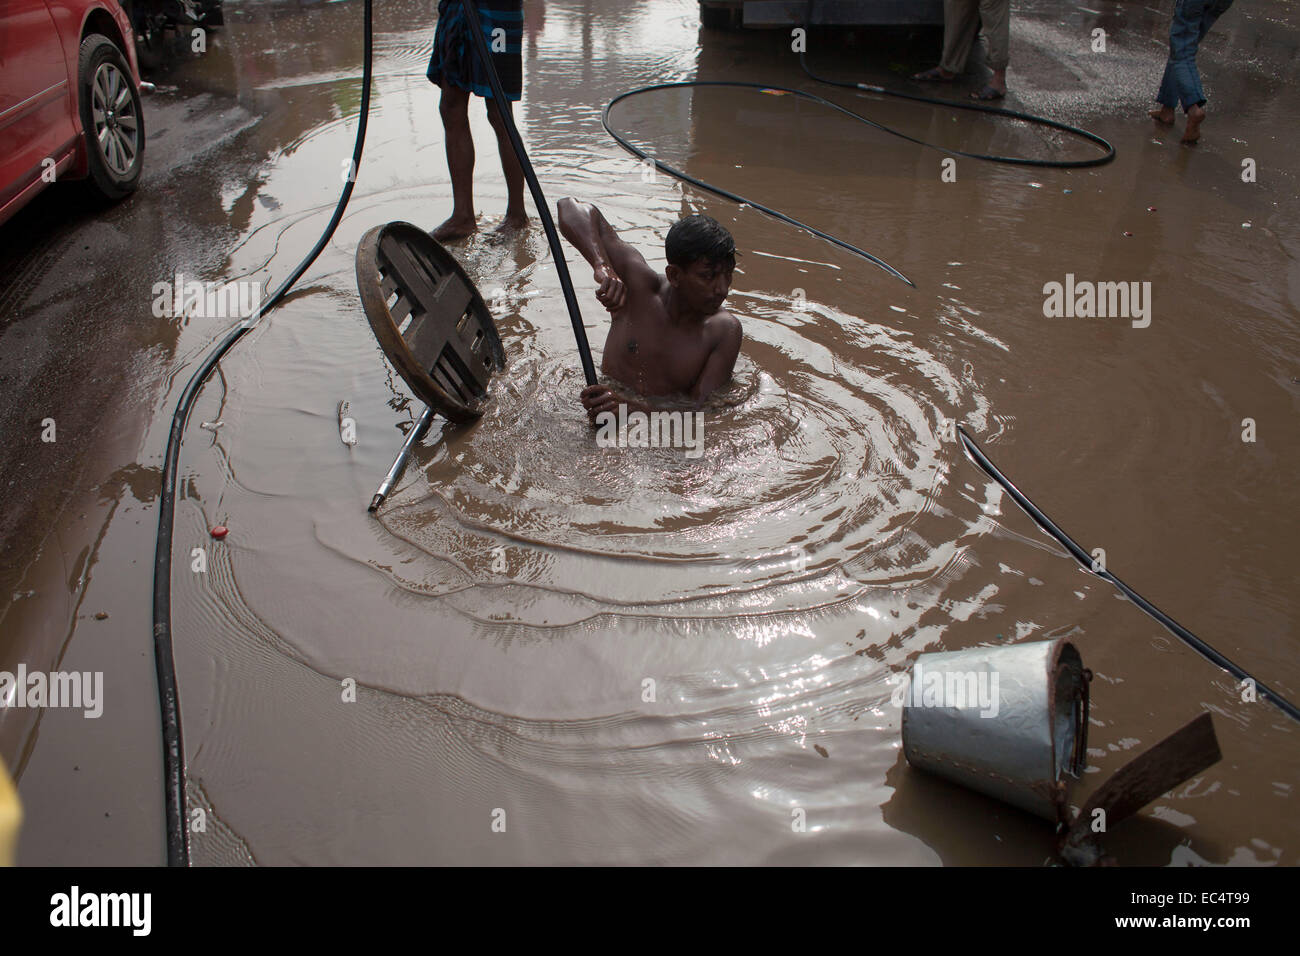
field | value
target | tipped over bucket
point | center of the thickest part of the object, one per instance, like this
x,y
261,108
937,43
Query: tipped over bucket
x,y
1010,722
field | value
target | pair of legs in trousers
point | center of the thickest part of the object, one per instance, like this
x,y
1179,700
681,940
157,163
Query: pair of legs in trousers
x,y
1182,81
961,22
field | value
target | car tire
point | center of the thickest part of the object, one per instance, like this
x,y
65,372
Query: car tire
x,y
112,120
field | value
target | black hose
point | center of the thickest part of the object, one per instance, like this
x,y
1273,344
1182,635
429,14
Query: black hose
x,y
539,198
1085,559
726,194
1044,522
178,844
1101,160
1106,157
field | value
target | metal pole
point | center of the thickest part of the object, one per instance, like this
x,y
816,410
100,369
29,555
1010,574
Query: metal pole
x,y
414,435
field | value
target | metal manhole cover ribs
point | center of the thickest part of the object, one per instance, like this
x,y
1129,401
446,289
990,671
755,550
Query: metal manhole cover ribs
x,y
429,319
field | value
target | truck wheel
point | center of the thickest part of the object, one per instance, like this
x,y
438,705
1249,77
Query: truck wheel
x,y
112,120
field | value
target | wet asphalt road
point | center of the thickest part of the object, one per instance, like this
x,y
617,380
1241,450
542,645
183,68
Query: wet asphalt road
x,y
78,340
79,344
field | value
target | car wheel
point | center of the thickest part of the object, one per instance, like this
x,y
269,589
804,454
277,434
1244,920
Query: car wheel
x,y
112,120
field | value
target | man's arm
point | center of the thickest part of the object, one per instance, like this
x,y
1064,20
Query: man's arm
x,y
616,266
722,360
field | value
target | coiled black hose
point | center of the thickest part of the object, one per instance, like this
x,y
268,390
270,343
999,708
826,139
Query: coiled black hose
x,y
178,843
1106,157
725,193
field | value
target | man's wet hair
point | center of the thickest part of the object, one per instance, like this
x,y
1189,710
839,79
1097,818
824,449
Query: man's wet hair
x,y
699,237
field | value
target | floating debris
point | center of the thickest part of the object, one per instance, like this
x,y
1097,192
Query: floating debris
x,y
212,426
219,531
101,615
1127,233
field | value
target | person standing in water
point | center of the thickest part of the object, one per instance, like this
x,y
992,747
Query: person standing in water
x,y
669,335
456,68
1182,81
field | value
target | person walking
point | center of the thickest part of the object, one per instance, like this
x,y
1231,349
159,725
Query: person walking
x,y
1182,81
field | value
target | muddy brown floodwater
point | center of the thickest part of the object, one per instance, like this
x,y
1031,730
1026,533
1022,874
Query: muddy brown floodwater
x,y
629,656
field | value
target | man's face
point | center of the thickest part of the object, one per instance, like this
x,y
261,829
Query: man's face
x,y
703,285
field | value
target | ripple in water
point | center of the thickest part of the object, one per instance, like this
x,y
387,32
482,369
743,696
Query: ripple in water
x,y
810,482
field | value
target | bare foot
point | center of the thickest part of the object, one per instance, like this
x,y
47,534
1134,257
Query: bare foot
x,y
1162,114
456,227
1195,117
512,222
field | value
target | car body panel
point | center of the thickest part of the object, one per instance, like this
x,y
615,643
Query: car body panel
x,y
40,123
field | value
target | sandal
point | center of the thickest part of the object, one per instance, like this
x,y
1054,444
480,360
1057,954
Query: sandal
x,y
988,93
934,74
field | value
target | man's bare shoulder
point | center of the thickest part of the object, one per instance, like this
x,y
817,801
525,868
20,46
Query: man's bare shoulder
x,y
652,288
722,326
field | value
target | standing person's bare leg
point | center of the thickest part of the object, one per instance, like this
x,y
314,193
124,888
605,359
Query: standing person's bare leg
x,y
516,213
454,108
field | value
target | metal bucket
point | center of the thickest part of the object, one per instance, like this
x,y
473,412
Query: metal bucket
x,y
1010,722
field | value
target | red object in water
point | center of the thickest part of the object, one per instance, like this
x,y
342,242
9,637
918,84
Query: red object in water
x,y
1127,233
220,531
1151,208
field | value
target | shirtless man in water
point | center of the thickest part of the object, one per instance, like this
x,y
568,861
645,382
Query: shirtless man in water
x,y
669,335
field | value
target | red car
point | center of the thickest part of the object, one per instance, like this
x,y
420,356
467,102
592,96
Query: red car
x,y
69,99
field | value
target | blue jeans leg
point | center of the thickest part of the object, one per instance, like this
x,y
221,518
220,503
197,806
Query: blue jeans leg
x,y
1192,21
1168,95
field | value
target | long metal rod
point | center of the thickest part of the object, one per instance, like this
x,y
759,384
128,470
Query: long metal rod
x,y
1085,559
539,198
399,464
